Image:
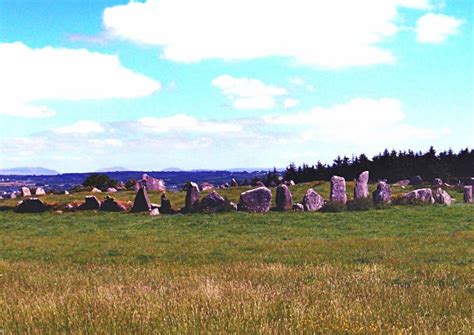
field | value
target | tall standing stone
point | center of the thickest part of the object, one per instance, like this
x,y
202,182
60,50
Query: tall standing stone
x,y
312,201
25,192
361,190
383,193
338,190
192,196
142,202
284,199
257,200
468,194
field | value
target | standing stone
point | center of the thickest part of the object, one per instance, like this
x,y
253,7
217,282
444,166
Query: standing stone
x,y
31,205
165,207
257,200
338,190
383,193
213,203
442,197
259,184
12,195
468,194
437,182
66,192
422,195
192,196
361,190
284,199
141,202
91,203
111,205
40,191
95,190
312,201
234,183
111,190
25,192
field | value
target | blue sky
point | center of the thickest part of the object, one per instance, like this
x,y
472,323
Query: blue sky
x,y
226,84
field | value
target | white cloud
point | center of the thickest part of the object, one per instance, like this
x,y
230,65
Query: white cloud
x,y
30,75
290,103
248,93
337,33
369,122
435,28
80,128
186,123
296,81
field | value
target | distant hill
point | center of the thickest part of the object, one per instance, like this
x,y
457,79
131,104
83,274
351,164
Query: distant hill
x,y
113,169
24,171
172,169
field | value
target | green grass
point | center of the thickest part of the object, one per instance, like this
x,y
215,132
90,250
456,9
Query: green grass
x,y
398,270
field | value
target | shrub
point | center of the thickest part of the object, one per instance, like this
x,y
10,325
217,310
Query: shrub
x,y
333,207
360,204
101,181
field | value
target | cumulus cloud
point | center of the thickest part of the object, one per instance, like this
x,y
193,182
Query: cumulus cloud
x,y
80,128
337,33
436,28
290,103
30,75
379,122
248,93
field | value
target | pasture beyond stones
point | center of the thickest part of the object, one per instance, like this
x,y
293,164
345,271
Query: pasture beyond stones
x,y
400,269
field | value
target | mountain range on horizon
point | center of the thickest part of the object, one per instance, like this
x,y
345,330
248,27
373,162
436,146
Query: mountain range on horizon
x,y
26,170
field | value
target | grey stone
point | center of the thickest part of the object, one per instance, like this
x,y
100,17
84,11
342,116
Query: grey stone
x,y
111,190
361,190
284,199
416,180
91,203
206,186
383,193
111,205
468,194
338,190
31,205
141,202
152,184
213,203
312,201
95,190
442,197
13,195
192,196
257,200
422,195
40,191
298,207
234,183
25,192
259,184
403,183
165,207
437,182
154,212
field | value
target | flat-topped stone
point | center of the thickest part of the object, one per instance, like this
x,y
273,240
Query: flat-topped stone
x,y
257,200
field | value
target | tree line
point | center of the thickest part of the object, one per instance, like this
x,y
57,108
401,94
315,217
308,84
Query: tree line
x,y
391,165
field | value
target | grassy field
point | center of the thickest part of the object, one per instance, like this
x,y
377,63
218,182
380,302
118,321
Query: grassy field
x,y
397,270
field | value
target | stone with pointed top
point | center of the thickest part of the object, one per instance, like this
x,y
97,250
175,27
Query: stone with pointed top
x,y
284,199
361,190
141,202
